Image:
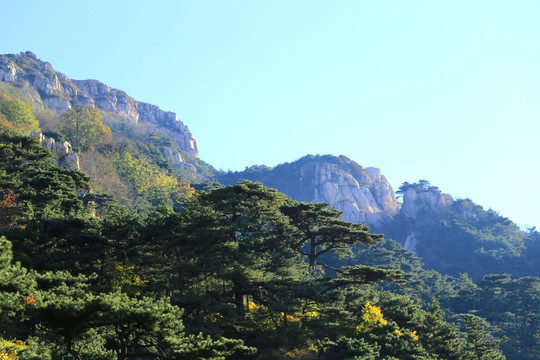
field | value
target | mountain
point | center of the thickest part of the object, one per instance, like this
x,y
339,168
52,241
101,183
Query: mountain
x,y
450,236
152,153
363,194
140,154
146,157
47,88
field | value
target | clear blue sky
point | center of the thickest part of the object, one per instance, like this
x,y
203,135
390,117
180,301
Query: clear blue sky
x,y
447,91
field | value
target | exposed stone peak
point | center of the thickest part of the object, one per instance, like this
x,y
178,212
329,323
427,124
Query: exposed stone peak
x,y
363,194
427,198
46,87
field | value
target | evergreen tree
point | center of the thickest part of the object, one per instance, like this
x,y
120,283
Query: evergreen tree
x,y
320,230
238,236
30,172
480,344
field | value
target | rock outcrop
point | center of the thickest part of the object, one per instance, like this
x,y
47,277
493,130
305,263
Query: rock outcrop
x,y
66,158
418,198
56,91
173,157
422,205
363,194
411,241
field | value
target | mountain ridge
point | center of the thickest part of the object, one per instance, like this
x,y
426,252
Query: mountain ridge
x,y
363,194
54,90
453,237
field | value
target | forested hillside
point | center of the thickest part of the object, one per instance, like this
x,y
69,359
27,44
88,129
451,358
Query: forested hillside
x,y
127,165
135,151
474,260
235,272
231,258
134,250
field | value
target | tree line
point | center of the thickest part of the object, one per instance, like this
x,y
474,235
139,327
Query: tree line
x,y
239,272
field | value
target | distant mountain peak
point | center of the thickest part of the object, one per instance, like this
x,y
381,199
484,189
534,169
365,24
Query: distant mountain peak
x,y
363,194
52,89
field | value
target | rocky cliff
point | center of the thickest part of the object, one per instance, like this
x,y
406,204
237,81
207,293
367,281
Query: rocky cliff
x,y
416,199
66,158
363,194
54,90
422,205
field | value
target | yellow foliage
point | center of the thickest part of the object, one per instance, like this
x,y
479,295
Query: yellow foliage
x,y
9,349
16,115
372,317
149,180
290,318
252,306
308,353
184,190
127,277
413,334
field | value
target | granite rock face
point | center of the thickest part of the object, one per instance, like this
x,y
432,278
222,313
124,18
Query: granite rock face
x,y
173,157
363,194
420,204
415,200
56,91
66,158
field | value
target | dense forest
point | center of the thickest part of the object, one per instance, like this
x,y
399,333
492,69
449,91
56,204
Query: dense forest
x,y
160,268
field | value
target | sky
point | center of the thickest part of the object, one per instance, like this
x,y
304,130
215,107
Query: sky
x,y
447,91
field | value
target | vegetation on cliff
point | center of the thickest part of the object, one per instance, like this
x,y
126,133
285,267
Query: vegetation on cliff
x,y
222,276
126,259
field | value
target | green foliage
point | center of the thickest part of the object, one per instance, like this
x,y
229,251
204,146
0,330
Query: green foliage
x,y
420,186
149,181
72,322
464,238
29,170
16,115
148,141
161,140
387,326
481,345
510,304
204,347
14,92
136,174
230,270
319,231
238,235
105,178
83,128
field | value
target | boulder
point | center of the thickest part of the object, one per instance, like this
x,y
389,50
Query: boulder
x,y
70,161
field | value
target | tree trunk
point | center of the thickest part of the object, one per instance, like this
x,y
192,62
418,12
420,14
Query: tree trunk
x,y
312,256
239,302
